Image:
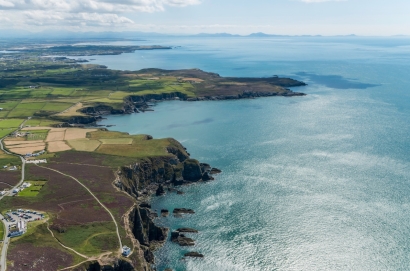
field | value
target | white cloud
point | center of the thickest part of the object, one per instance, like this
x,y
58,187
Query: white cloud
x,y
83,12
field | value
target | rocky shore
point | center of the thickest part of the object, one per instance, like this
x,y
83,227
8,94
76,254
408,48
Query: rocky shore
x,y
138,104
158,176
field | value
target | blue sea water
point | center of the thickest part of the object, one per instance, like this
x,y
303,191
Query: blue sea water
x,y
320,182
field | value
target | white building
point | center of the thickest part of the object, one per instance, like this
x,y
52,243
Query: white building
x,y
22,226
126,251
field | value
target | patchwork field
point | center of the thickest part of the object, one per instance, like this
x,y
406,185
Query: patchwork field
x,y
24,150
56,135
84,144
57,146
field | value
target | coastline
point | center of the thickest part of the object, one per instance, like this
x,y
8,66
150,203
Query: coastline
x,y
141,218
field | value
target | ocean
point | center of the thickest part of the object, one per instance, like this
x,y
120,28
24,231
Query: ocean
x,y
320,182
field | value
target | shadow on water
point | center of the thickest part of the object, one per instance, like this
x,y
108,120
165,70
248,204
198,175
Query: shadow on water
x,y
177,125
335,81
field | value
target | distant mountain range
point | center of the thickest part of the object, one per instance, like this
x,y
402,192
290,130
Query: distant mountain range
x,y
126,35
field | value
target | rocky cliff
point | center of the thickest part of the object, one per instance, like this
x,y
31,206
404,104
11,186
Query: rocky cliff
x,y
143,179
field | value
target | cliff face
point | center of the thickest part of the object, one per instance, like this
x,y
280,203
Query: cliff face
x,y
150,175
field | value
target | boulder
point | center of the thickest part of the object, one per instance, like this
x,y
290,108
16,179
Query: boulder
x,y
183,211
190,230
164,212
191,170
160,190
194,254
181,239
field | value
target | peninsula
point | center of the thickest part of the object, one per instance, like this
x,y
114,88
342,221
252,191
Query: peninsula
x,y
83,190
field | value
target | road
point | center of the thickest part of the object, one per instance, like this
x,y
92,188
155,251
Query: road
x,y
6,242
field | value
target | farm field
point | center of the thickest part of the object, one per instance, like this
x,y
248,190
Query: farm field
x,y
33,190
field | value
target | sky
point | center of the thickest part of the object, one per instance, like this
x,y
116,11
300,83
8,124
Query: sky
x,y
284,17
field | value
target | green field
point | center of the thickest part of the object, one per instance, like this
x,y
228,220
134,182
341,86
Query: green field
x,y
4,132
40,122
10,123
37,135
117,141
33,190
1,231
90,239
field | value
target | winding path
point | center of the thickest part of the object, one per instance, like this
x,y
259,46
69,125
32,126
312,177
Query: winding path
x,y
91,193
79,254
6,241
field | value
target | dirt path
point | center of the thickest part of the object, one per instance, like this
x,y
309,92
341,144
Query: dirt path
x,y
79,254
91,193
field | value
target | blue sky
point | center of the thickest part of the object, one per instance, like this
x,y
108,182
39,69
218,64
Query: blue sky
x,y
292,17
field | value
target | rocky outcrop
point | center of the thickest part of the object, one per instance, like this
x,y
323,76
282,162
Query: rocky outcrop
x,y
190,230
193,254
181,211
115,265
156,175
164,212
144,229
181,239
192,170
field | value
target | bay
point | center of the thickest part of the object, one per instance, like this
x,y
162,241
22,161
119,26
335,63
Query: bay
x,y
320,182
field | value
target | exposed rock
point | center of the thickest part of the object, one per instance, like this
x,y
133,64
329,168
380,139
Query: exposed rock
x,y
215,171
183,211
187,230
180,192
148,137
194,254
144,229
207,177
192,170
181,239
164,212
160,191
205,167
145,205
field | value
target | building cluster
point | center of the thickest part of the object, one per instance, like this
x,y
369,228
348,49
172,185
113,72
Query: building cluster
x,y
11,168
22,187
35,154
19,229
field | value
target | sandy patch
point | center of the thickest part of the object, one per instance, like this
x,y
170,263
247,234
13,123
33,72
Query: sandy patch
x,y
55,136
84,144
117,141
12,143
25,150
57,146
77,133
192,79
